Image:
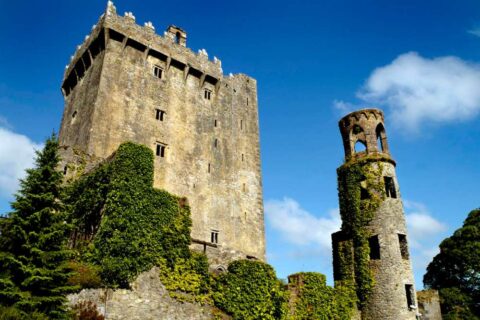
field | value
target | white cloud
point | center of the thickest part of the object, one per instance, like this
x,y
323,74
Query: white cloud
x,y
420,223
16,154
299,226
344,107
475,31
425,233
416,90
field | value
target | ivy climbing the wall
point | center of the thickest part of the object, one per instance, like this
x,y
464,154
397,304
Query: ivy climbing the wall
x,y
361,192
124,225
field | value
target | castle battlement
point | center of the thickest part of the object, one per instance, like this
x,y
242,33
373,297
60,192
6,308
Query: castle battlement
x,y
170,48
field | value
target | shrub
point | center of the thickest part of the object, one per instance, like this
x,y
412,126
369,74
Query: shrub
x,y
84,275
250,290
86,310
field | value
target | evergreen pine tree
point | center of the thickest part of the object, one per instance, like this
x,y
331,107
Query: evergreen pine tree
x,y
33,253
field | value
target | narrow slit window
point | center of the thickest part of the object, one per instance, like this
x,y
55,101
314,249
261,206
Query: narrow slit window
x,y
243,157
216,143
207,94
65,169
215,123
402,240
214,236
390,190
409,294
209,168
374,245
247,101
160,150
159,114
158,72
244,187
241,124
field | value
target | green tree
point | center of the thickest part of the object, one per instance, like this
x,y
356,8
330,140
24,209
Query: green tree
x,y
455,271
33,271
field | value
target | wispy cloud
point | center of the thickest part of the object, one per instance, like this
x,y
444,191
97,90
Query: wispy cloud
x,y
425,233
300,227
16,154
475,31
416,90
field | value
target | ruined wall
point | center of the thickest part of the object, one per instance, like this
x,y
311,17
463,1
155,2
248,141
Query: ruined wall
x,y
147,300
429,305
212,152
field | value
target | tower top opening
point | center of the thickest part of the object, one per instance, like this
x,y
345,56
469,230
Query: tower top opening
x,y
178,35
363,133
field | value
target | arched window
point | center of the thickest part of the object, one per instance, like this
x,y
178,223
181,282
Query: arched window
x,y
360,146
381,137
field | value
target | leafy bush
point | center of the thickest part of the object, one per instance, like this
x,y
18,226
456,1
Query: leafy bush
x,y
86,310
250,290
188,279
84,275
316,300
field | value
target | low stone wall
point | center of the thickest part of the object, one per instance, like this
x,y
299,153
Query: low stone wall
x,y
429,305
148,299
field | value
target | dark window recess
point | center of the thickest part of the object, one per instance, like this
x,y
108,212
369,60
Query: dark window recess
x,y
215,123
209,168
157,72
214,236
244,187
402,240
216,143
241,124
374,245
65,169
243,157
207,94
247,101
409,293
160,152
74,114
364,194
159,114
390,187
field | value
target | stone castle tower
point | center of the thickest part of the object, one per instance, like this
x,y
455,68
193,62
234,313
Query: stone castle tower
x,y
126,83
371,249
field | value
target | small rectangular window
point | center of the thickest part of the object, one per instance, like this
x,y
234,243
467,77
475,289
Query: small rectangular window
x,y
160,150
402,240
374,245
214,236
207,94
159,114
215,123
410,295
158,72
390,187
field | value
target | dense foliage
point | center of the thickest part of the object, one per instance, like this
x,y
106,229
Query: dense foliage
x,y
316,300
124,225
455,271
34,273
250,290
356,215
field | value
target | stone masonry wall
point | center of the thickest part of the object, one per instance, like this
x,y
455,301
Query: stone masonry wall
x,y
212,152
148,300
429,305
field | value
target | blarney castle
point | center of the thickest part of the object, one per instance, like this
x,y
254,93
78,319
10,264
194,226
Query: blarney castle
x,y
127,83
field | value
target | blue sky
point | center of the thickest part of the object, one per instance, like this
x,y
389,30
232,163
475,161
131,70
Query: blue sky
x,y
314,61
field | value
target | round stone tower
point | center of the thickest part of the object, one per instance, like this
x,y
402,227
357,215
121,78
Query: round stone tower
x,y
371,251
